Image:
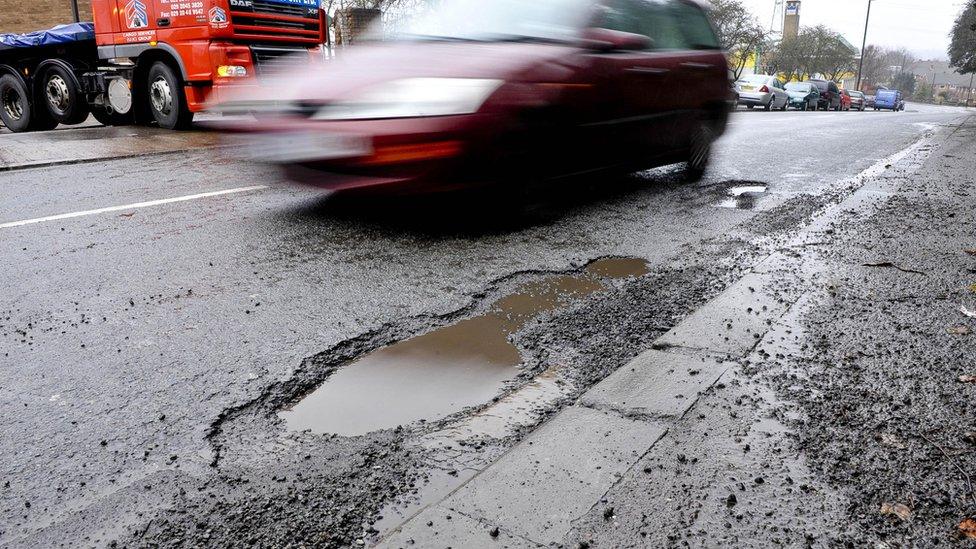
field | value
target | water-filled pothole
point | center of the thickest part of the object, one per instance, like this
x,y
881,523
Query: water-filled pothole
x,y
436,374
743,197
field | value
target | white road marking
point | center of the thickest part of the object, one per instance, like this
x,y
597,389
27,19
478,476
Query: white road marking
x,y
129,206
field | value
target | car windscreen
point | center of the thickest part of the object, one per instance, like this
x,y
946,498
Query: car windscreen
x,y
822,86
798,87
497,20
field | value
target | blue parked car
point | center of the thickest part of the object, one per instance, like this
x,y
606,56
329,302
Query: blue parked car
x,y
891,100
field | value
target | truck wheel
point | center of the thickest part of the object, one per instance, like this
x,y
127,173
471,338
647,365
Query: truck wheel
x,y
167,101
15,110
63,100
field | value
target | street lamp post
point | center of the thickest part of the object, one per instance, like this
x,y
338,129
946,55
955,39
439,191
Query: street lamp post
x,y
864,44
74,11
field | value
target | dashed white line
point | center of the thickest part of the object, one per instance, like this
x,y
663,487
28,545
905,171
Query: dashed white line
x,y
137,205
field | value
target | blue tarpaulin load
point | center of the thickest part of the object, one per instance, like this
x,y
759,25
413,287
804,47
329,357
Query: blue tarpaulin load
x,y
61,34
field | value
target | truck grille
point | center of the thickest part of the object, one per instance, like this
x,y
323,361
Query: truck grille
x,y
276,23
271,61
258,21
264,6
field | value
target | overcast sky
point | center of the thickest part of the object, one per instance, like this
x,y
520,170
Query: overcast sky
x,y
920,25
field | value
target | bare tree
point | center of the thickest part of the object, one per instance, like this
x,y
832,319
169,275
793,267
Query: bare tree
x,y
876,67
739,32
903,58
815,50
838,59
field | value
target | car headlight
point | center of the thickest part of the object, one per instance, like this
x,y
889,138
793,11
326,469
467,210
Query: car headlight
x,y
412,98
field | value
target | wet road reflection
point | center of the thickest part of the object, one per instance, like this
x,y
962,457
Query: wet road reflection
x,y
442,372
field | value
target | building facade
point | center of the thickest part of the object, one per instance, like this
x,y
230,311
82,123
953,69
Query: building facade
x,y
948,86
29,15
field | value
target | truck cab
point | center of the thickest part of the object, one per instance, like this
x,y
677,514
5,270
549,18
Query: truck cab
x,y
207,47
160,61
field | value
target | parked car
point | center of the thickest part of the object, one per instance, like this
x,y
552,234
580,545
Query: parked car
x,y
891,100
536,90
829,94
858,101
845,100
803,95
762,90
868,101
733,96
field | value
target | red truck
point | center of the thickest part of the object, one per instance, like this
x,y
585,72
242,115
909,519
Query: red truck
x,y
148,61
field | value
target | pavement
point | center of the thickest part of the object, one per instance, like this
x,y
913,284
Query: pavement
x,y
598,464
162,312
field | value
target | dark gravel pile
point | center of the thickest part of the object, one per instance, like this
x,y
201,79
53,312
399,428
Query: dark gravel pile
x,y
326,493
888,420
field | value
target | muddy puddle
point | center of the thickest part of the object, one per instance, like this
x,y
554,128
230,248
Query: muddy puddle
x,y
743,197
434,375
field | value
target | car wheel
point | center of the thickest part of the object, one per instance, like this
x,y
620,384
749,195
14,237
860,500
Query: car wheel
x,y
750,107
62,99
700,153
167,101
769,106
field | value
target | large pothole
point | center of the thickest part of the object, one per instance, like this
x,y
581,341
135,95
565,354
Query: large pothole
x,y
436,374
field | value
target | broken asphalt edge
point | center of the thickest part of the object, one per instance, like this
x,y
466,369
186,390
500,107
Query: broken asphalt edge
x,y
92,160
747,309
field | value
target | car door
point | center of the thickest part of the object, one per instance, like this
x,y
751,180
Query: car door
x,y
700,69
646,95
782,94
835,95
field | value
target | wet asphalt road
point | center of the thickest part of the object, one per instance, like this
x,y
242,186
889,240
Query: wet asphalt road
x,y
128,337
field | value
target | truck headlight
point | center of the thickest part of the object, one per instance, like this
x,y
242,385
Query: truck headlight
x,y
413,98
231,71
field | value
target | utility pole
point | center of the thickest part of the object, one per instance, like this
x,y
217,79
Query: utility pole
x,y
74,11
864,45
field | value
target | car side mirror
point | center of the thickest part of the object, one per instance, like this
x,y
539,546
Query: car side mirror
x,y
607,40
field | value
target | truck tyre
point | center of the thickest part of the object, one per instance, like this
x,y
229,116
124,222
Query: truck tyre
x,y
63,100
15,109
167,101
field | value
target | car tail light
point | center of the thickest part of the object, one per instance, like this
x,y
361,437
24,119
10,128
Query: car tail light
x,y
400,154
764,89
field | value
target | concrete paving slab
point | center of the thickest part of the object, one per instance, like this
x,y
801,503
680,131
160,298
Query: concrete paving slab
x,y
439,528
733,322
557,474
656,383
86,144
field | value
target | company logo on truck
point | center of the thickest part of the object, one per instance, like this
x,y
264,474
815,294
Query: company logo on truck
x,y
218,17
136,15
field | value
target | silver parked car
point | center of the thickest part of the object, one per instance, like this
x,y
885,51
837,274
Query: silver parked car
x,y
762,90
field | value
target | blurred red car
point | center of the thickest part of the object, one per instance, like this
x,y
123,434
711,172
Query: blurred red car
x,y
478,93
845,100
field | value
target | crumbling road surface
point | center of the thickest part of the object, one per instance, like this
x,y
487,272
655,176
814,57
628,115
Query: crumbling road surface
x,y
194,354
